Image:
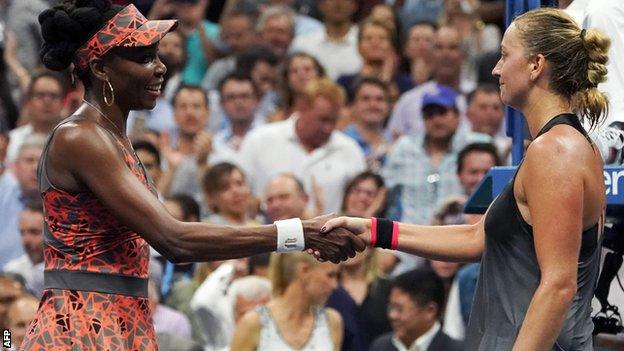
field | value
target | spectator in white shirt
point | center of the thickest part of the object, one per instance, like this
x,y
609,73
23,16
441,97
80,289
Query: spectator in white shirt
x,y
336,46
213,308
307,145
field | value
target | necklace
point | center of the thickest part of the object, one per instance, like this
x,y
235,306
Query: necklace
x,y
123,135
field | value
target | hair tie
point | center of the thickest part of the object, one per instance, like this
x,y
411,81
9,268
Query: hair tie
x,y
583,31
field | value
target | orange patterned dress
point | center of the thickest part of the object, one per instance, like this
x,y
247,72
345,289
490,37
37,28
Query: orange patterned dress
x,y
96,272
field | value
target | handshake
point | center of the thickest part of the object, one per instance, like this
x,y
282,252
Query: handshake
x,y
335,239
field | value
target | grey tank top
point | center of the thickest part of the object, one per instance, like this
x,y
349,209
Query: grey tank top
x,y
272,340
510,276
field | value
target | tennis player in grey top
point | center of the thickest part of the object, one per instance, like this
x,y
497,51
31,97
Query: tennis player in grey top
x,y
539,241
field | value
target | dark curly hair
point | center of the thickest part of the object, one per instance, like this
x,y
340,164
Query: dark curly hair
x,y
67,26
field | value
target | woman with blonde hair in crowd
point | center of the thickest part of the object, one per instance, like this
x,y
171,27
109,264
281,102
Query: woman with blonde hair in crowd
x,y
295,318
539,242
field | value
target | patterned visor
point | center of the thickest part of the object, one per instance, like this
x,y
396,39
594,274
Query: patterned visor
x,y
128,28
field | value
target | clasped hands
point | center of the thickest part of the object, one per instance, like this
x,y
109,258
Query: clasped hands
x,y
335,239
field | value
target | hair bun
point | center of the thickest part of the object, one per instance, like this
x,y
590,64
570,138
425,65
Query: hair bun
x,y
86,16
57,57
67,26
48,13
597,46
100,5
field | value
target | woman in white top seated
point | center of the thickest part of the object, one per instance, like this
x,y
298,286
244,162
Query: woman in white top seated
x,y
294,319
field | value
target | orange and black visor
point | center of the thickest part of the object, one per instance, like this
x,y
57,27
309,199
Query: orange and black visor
x,y
128,28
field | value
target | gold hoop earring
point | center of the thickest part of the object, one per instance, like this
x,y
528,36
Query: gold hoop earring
x,y
112,93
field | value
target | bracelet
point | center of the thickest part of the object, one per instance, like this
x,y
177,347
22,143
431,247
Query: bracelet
x,y
384,233
290,235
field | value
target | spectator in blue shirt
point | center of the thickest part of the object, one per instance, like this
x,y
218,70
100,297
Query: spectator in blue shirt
x,y
17,187
369,110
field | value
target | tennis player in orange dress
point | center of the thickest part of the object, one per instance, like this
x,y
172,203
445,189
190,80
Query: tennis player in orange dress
x,y
101,211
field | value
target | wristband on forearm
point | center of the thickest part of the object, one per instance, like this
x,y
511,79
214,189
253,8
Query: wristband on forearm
x,y
384,233
290,235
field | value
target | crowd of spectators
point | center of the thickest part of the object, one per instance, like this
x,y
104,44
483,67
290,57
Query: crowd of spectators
x,y
274,109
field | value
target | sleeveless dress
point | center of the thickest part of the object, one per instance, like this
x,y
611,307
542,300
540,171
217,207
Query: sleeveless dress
x,y
96,272
271,339
510,275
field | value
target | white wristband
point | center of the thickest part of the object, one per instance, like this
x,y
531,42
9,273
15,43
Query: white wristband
x,y
290,235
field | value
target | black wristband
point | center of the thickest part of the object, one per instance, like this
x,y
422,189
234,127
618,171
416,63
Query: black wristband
x,y
384,233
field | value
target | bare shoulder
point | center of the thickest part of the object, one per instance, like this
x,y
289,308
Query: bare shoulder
x,y
334,318
250,322
79,136
247,333
559,150
79,148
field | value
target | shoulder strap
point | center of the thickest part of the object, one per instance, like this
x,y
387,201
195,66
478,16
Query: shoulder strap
x,y
265,318
567,119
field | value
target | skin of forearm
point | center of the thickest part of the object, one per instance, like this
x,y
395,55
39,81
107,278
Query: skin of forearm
x,y
20,72
545,317
206,242
458,243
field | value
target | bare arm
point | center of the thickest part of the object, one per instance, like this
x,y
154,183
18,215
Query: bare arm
x,y
10,58
88,154
173,159
247,333
335,327
554,196
445,243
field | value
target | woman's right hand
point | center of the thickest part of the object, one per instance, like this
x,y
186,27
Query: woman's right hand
x,y
359,226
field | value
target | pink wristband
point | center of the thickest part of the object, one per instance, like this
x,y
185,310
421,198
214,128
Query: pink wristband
x,y
395,235
373,238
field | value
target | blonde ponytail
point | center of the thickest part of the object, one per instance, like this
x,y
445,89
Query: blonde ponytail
x,y
577,58
590,102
